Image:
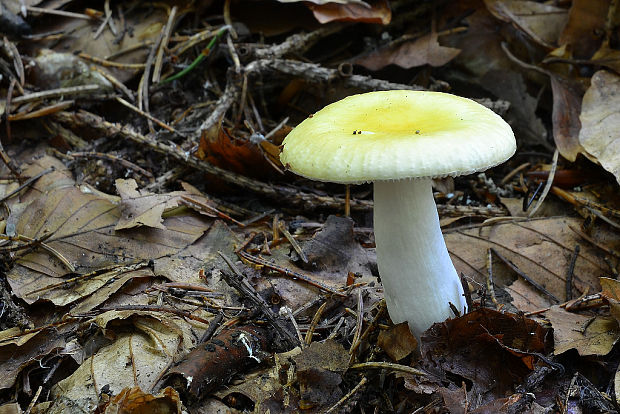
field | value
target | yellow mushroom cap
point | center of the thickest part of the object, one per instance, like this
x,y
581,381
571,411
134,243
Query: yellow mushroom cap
x,y
392,135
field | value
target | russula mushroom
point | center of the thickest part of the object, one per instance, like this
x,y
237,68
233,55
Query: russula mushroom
x,y
399,140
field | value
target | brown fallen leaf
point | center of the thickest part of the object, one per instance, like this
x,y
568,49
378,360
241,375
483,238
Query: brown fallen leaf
x,y
319,371
375,11
19,351
587,334
134,400
493,350
600,117
397,341
254,159
542,22
425,50
583,31
82,226
567,96
143,345
541,248
143,208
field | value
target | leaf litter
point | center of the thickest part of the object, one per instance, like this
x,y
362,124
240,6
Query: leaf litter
x,y
158,259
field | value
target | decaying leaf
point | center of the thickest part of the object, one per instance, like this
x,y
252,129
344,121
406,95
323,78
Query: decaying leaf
x,y
600,117
565,117
540,248
491,349
425,50
542,22
20,351
582,32
142,208
587,334
82,226
319,372
136,358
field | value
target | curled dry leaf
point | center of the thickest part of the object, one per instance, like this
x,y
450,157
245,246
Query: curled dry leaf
x,y
600,117
18,351
376,11
565,116
134,400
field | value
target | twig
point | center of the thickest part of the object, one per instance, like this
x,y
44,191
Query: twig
x,y
359,322
108,15
293,242
125,163
213,325
315,321
289,314
554,166
26,184
240,282
595,242
34,400
56,93
60,13
155,308
159,60
231,93
490,287
212,210
45,111
110,63
148,116
355,389
387,365
256,260
524,276
570,272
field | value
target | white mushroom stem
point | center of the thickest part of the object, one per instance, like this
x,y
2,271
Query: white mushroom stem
x,y
418,276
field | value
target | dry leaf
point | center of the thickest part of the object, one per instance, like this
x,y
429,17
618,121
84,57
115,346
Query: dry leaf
x,y
425,50
19,351
565,117
588,335
378,11
584,29
142,208
493,350
541,248
82,224
600,117
542,22
397,341
134,400
143,348
319,371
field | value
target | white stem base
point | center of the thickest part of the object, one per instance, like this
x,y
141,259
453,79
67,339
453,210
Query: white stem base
x,y
418,276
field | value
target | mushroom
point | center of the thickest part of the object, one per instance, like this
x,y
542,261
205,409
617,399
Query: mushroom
x,y
400,140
